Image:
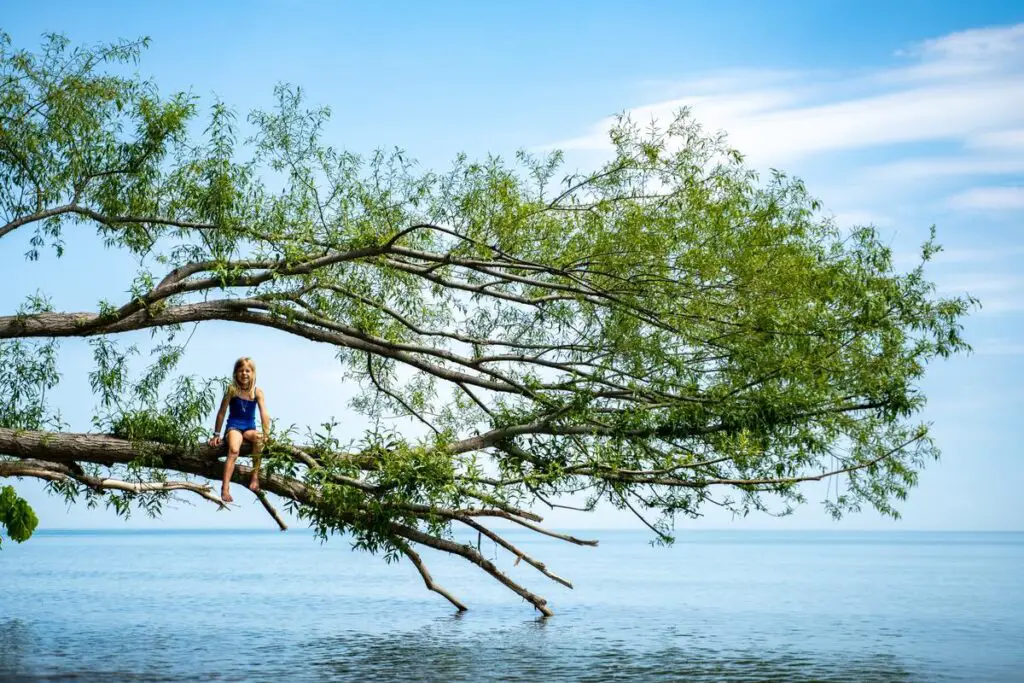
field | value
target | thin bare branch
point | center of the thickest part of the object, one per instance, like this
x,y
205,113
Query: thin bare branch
x,y
58,471
473,556
384,390
636,513
520,555
427,578
271,510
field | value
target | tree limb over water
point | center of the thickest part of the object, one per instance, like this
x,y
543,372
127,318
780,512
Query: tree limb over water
x,y
667,332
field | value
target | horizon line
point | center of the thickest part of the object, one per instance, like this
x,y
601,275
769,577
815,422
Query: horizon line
x,y
577,529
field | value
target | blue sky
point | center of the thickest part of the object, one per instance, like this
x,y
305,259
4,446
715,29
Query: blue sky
x,y
903,116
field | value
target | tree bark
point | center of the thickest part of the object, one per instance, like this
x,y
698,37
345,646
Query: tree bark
x,y
108,450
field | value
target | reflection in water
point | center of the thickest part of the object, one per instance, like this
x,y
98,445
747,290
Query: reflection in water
x,y
529,651
16,645
516,655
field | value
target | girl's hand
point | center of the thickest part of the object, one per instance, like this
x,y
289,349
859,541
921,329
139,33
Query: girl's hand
x,y
215,440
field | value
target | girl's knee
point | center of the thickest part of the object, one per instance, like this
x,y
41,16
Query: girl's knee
x,y
232,454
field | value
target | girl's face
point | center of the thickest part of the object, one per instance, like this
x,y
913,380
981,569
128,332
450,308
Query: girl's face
x,y
243,375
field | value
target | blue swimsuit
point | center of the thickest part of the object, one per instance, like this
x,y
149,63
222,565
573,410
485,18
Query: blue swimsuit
x,y
241,414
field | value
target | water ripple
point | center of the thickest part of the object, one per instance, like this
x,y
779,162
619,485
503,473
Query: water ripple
x,y
248,607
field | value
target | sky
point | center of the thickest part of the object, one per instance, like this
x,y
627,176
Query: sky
x,y
901,115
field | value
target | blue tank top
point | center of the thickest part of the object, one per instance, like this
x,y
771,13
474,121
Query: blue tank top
x,y
241,414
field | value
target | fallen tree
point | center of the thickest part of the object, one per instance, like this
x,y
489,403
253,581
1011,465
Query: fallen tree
x,y
665,333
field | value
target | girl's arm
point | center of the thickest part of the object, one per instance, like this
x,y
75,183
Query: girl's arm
x,y
264,415
215,439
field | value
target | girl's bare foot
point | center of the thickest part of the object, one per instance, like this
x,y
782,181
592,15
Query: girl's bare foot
x,y
225,495
254,485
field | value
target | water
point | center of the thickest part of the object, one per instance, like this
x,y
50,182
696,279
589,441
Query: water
x,y
719,606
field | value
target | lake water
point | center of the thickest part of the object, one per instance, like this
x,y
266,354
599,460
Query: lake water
x,y
718,606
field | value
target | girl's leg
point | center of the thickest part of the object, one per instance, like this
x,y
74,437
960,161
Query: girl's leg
x,y
234,440
256,439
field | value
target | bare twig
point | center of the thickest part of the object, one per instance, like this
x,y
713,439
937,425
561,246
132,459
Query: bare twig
x,y
262,497
473,556
59,471
520,555
427,578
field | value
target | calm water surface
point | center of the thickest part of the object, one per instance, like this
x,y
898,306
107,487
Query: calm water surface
x,y
719,606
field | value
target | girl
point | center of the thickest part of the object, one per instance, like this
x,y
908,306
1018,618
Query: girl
x,y
242,398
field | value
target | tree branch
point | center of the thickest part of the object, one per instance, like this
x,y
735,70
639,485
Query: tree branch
x,y
56,450
473,556
427,578
262,497
58,472
520,555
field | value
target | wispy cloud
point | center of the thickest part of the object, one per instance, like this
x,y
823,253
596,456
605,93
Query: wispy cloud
x,y
1003,304
997,292
953,256
999,347
966,87
932,168
981,283
1010,140
989,199
970,53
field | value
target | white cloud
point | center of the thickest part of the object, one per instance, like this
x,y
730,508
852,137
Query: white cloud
x,y
918,115
989,199
998,293
1011,140
999,347
981,283
970,53
960,87
949,256
1003,304
930,168
961,256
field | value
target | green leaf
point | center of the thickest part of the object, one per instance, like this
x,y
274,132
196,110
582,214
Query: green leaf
x,y
16,516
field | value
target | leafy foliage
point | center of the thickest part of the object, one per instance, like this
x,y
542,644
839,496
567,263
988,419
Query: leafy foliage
x,y
16,517
28,370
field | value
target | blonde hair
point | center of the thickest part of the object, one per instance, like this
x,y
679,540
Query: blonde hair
x,y
233,388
